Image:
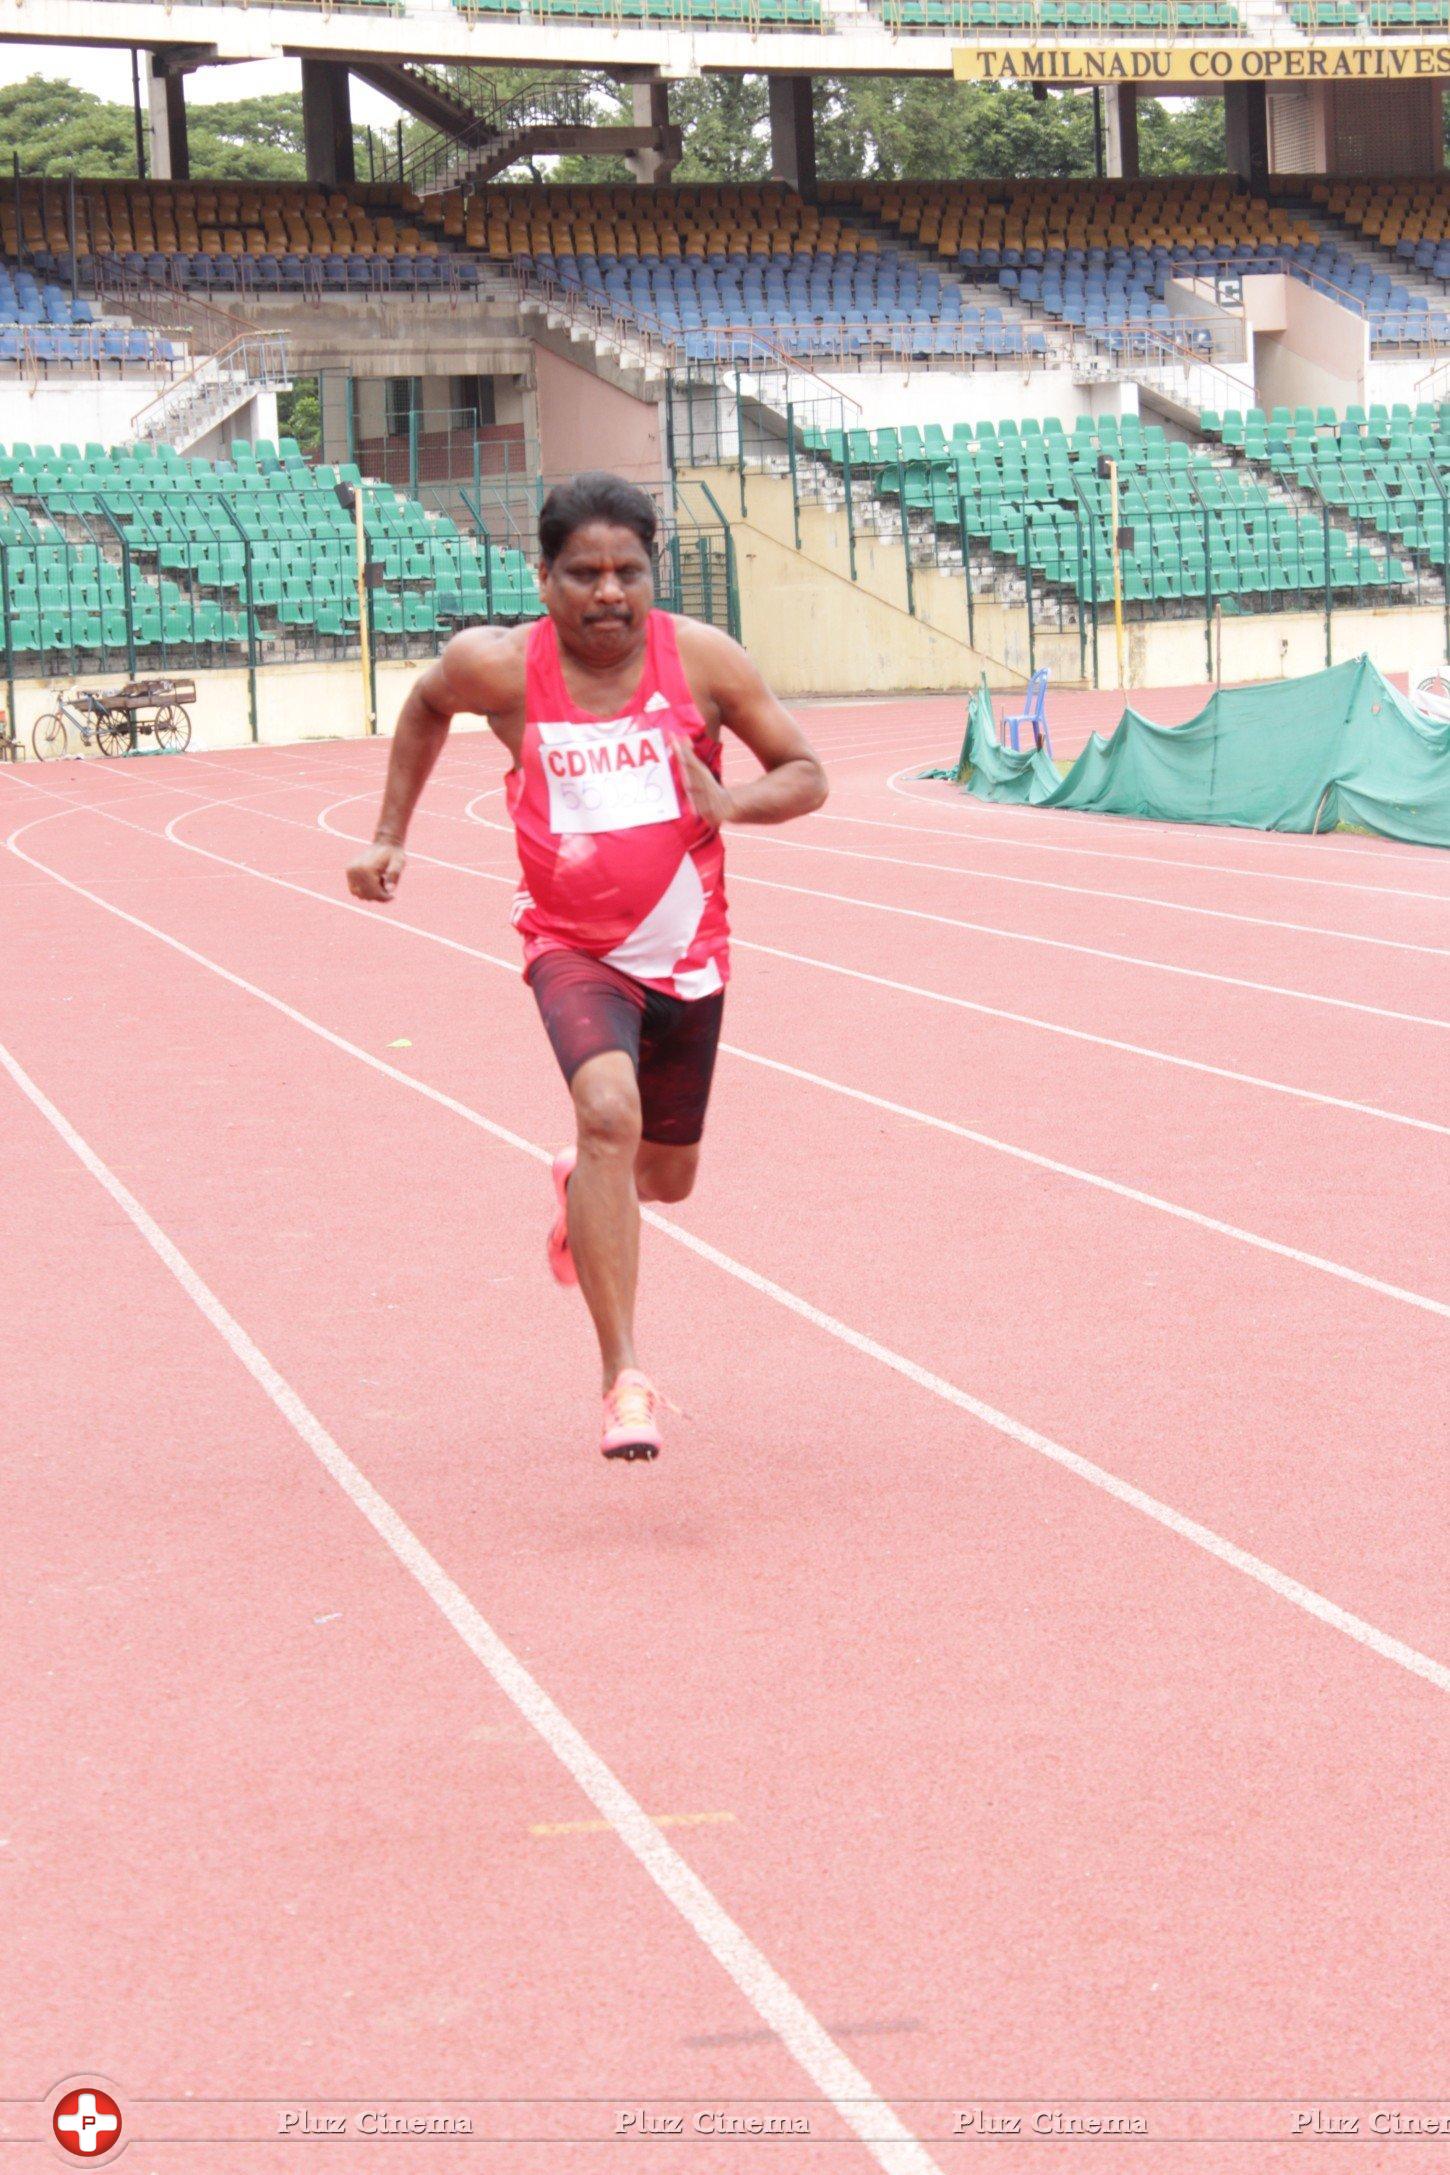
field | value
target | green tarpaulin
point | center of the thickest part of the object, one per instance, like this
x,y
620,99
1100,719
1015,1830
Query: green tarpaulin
x,y
1339,746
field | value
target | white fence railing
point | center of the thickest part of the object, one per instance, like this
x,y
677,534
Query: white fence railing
x,y
217,386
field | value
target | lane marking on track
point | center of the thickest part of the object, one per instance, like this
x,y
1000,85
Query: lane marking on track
x,y
488,875
1200,1536
1082,1034
759,837
882,981
1070,1171
661,1820
964,835
992,929
1136,1195
1389,853
892,2145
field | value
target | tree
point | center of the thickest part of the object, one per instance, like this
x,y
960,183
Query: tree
x,y
299,415
886,128
1181,136
902,128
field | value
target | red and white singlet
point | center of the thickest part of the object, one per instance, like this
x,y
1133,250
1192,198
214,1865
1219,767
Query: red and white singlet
x,y
615,861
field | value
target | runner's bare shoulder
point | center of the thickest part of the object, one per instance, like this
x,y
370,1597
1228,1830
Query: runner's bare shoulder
x,y
481,669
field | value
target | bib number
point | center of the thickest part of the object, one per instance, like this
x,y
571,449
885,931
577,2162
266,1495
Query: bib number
x,y
617,783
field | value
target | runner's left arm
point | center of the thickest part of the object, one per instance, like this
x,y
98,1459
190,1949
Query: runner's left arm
x,y
793,781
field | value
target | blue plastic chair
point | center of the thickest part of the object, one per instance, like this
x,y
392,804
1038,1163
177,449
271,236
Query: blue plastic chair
x,y
1033,713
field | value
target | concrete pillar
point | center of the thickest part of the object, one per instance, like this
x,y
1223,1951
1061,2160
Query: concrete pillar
x,y
651,103
327,121
1120,118
1246,132
793,132
168,156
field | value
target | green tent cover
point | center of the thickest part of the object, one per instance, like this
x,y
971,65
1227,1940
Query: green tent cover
x,y
1339,746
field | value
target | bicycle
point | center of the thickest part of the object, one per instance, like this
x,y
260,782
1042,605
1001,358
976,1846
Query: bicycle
x,y
114,722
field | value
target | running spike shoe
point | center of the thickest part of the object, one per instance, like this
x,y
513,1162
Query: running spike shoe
x,y
561,1261
631,1428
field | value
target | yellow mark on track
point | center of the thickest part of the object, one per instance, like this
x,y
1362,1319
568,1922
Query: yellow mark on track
x,y
605,1827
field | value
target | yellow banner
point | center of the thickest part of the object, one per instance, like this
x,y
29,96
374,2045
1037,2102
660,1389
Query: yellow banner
x,y
1153,66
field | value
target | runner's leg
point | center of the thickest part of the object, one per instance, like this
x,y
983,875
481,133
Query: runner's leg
x,y
603,1202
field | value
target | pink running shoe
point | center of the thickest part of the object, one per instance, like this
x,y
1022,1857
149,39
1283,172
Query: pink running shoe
x,y
630,1427
561,1261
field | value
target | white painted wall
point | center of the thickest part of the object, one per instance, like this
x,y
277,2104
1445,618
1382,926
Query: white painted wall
x,y
73,409
1308,349
1411,378
100,411
965,396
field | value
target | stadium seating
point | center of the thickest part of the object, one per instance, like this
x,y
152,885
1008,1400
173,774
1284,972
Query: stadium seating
x,y
183,218
273,236
1082,17
1031,492
728,14
703,264
65,510
1376,467
1397,215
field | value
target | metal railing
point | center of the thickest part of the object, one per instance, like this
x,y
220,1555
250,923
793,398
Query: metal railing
x,y
97,349
213,389
1219,550
845,343
95,579
743,17
430,162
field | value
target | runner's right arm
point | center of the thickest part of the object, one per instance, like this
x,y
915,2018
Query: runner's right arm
x,y
476,673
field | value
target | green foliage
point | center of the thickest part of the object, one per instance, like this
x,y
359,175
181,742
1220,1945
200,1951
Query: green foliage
x,y
299,415
902,128
58,130
1181,136
879,127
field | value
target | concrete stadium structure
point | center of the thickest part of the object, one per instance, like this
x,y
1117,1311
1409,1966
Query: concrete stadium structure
x,y
812,377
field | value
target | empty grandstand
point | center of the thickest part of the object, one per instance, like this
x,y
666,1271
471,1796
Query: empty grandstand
x,y
1110,421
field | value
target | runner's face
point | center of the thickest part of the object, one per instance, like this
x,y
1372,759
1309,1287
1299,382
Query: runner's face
x,y
598,592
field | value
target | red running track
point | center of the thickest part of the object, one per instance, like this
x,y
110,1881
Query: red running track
x,y
1029,1652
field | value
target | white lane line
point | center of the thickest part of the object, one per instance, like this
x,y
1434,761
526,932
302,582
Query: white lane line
x,y
759,837
1011,936
911,989
1389,853
880,981
1082,1034
1134,1194
855,755
961,835
1200,1536
891,2144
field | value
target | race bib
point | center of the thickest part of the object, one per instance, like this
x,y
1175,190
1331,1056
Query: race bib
x,y
607,777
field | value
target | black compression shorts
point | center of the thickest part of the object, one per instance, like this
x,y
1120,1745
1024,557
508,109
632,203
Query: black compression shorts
x,y
588,1007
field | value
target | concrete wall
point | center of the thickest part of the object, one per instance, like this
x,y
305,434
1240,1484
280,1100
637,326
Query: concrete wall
x,y
586,423
1393,377
74,408
82,410
294,703
815,632
895,397
1308,349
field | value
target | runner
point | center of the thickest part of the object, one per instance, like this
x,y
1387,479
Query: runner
x,y
612,712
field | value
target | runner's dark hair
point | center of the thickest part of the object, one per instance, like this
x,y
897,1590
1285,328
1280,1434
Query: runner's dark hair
x,y
594,496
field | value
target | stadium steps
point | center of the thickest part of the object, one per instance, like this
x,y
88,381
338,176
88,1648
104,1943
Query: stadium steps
x,y
983,292
1340,235
1255,545
1372,522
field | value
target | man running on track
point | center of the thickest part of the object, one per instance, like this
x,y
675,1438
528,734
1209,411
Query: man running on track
x,y
612,712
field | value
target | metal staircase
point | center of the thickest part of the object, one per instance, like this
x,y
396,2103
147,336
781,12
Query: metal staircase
x,y
213,389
